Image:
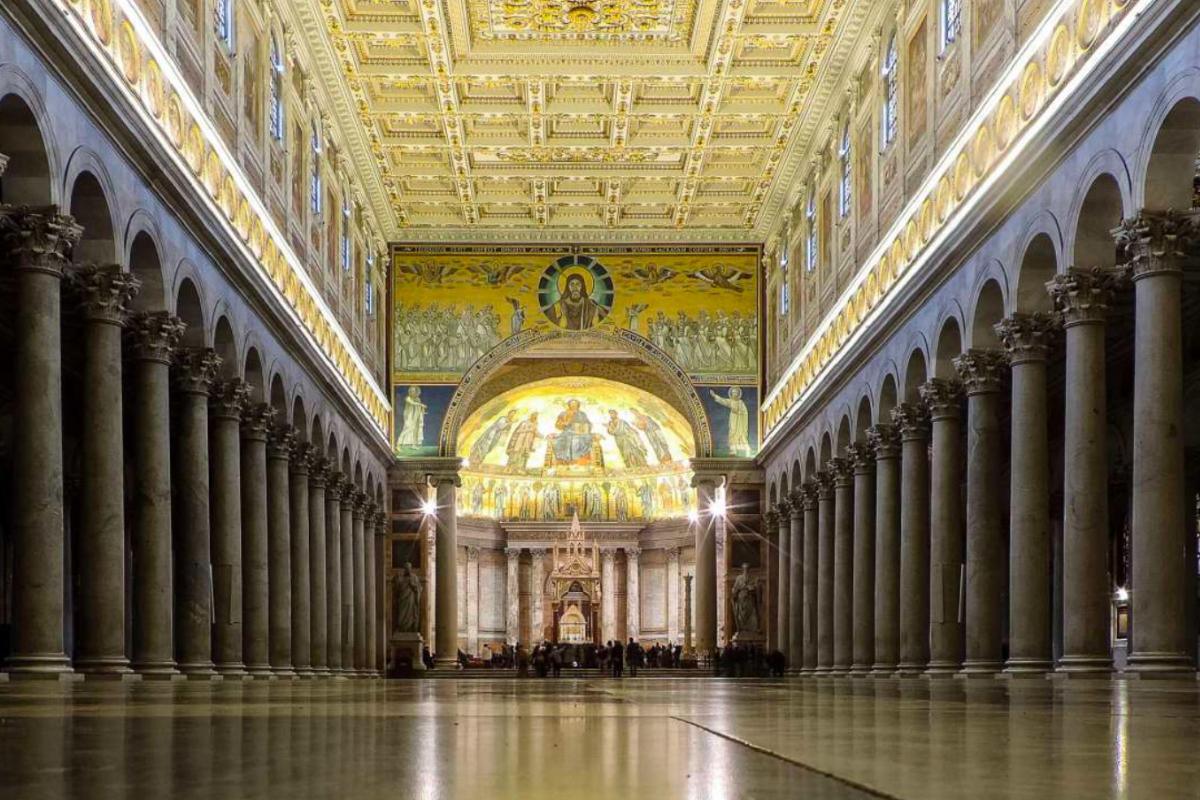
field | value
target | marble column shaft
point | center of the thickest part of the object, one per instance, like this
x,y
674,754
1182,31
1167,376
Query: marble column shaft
x,y
333,572
359,553
227,402
256,605
943,397
812,537
862,458
843,565
105,293
608,594
298,562
1083,297
318,476
982,373
884,440
512,591
633,622
37,240
705,579
912,420
154,337
472,601
674,596
782,523
280,446
795,651
1159,245
346,545
1027,337
446,545
537,593
195,371
372,527
827,537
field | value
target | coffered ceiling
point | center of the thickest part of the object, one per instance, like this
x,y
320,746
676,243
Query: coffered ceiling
x,y
608,119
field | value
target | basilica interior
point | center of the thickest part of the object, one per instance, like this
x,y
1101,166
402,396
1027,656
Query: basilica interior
x,y
531,398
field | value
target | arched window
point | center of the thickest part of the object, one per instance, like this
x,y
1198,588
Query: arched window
x,y
345,236
314,185
951,21
846,188
891,93
785,281
369,287
223,22
276,116
810,221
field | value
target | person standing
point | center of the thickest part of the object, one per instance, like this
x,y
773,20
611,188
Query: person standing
x,y
633,652
617,658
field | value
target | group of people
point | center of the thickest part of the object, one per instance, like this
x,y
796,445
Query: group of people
x,y
556,499
443,338
748,661
725,343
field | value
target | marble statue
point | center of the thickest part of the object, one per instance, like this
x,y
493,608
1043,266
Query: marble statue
x,y
745,604
407,602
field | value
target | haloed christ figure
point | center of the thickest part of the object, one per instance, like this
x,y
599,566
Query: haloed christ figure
x,y
575,309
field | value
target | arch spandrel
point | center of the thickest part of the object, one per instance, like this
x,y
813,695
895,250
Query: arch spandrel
x,y
477,385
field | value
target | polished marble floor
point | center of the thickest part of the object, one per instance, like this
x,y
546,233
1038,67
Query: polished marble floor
x,y
649,738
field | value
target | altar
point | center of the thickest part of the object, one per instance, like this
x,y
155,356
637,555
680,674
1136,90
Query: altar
x,y
575,587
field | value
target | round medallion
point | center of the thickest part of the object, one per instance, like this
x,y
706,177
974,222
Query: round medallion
x,y
576,293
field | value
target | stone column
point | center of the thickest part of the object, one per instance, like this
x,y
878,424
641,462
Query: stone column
x,y
346,545
256,423
783,524
1027,338
633,602
608,594
105,293
472,600
537,594
512,595
298,559
1159,245
912,420
689,650
884,441
674,597
372,536
826,511
358,548
333,571
943,397
280,444
154,336
795,651
1083,297
227,402
843,565
318,477
37,240
447,570
195,371
706,568
812,537
982,373
862,457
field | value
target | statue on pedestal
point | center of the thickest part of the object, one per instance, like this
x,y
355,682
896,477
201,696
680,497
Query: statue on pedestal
x,y
406,616
745,606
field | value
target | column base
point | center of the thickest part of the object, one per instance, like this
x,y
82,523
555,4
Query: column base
x,y
200,677
157,670
111,665
285,673
59,677
306,674
200,669
1034,667
1159,665
909,670
881,670
1024,674
1084,667
941,669
163,677
980,669
233,672
111,677
48,666
260,671
444,664
860,670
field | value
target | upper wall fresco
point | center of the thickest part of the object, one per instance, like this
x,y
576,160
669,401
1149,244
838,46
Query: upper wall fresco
x,y
453,304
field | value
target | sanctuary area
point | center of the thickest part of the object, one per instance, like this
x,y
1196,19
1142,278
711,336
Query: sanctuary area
x,y
547,398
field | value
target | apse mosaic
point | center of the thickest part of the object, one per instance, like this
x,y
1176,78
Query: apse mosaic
x,y
553,447
452,306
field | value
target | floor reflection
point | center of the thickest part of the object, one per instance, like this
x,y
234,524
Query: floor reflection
x,y
701,739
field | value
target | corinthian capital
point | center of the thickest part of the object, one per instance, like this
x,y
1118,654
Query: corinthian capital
x,y
1083,295
281,441
105,292
912,420
196,369
257,421
302,458
884,439
771,518
943,397
861,457
39,238
842,470
154,335
228,399
1028,337
1157,241
982,371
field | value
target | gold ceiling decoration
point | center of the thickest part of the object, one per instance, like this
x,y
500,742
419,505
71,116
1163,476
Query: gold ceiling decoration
x,y
622,119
